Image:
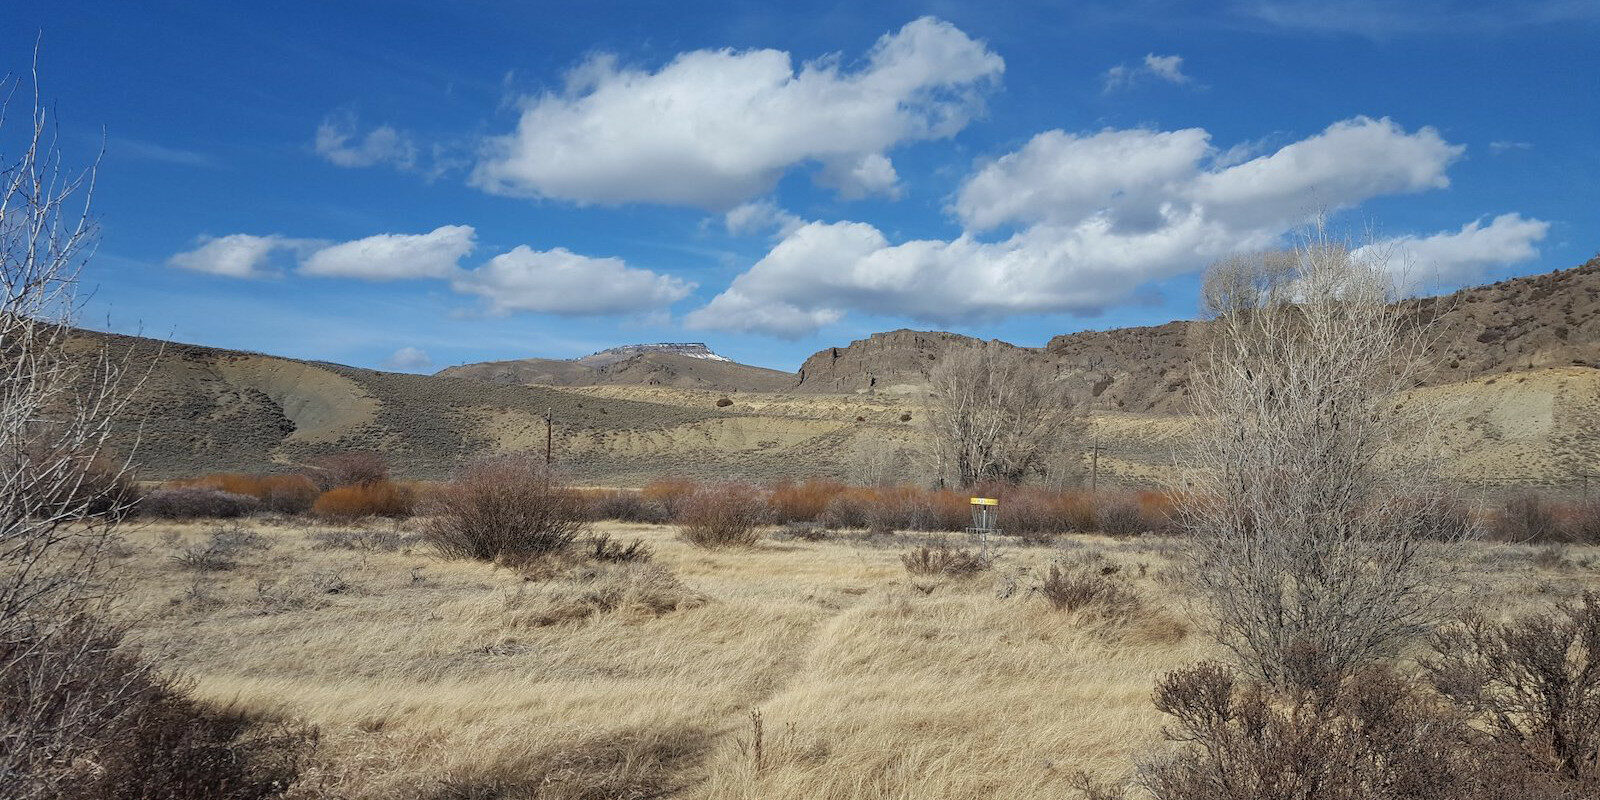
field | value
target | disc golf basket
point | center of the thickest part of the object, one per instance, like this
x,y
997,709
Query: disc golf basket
x,y
985,513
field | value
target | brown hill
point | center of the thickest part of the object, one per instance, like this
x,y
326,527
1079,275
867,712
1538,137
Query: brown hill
x,y
205,409
1539,321
629,366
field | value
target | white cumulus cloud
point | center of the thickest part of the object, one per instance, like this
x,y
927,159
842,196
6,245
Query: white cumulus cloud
x,y
239,255
394,256
1154,67
759,217
340,141
555,281
713,128
559,281
409,359
1091,219
1451,258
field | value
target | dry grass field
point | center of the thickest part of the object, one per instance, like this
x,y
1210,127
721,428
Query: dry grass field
x,y
793,669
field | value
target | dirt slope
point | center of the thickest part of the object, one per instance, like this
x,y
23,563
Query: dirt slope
x,y
636,368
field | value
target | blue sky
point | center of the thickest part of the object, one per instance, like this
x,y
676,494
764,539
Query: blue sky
x,y
424,184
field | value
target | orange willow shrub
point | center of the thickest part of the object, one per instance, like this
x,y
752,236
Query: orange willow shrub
x,y
382,499
670,493
802,502
286,494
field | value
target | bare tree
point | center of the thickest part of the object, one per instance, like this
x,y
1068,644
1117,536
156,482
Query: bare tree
x,y
996,415
59,489
1304,518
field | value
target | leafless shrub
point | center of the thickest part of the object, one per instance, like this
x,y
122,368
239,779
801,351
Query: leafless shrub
x,y
365,500
1528,518
995,416
845,510
945,561
1082,587
601,547
1122,517
220,551
728,515
626,506
1373,737
1299,516
196,503
510,506
85,717
347,469
1533,682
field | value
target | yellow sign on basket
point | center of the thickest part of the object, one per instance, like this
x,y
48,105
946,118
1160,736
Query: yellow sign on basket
x,y
985,501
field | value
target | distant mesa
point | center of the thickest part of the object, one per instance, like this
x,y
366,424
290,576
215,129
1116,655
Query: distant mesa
x,y
615,354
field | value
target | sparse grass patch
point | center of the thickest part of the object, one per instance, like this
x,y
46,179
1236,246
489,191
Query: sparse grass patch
x,y
585,591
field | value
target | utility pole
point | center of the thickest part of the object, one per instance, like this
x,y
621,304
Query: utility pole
x,y
549,435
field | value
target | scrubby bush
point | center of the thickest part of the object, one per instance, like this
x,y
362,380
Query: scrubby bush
x,y
284,494
221,549
358,501
1533,683
103,489
848,509
347,469
579,593
504,507
1030,516
601,547
1373,737
85,717
623,505
945,561
1086,587
1583,523
1122,516
196,503
802,502
1526,517
804,531
907,508
727,515
669,494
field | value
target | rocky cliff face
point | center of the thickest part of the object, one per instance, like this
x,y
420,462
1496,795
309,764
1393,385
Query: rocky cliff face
x,y
1533,322
896,362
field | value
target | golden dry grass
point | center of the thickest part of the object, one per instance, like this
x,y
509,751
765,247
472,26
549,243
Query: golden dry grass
x,y
435,679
